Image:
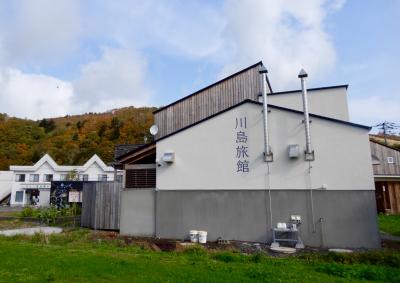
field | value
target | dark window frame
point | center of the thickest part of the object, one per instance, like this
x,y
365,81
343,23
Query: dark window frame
x,y
20,178
140,178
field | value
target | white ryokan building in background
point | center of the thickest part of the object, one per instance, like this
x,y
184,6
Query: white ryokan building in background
x,y
36,179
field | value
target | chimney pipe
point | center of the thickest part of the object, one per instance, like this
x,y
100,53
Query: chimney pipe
x,y
268,156
309,153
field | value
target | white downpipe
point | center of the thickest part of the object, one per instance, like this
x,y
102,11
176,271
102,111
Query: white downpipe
x,y
309,152
268,157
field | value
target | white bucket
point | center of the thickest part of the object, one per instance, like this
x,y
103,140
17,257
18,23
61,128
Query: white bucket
x,y
194,236
202,237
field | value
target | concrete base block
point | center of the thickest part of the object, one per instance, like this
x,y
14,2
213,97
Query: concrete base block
x,y
349,218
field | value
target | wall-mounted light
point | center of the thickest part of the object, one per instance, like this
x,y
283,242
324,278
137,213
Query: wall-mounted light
x,y
168,157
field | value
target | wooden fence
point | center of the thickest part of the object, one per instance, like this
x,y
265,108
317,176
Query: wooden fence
x,y
100,205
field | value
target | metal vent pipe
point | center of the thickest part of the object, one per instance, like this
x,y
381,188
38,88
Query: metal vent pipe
x,y
309,154
268,156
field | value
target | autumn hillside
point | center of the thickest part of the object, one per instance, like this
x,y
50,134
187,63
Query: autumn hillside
x,y
71,139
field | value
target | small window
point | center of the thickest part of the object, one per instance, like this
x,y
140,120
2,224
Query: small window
x,y
84,177
20,178
19,196
48,177
63,177
119,178
34,178
102,177
390,160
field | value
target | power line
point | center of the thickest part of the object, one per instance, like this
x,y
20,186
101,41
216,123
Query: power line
x,y
388,128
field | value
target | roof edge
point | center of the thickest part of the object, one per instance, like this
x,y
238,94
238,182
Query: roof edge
x,y
320,117
382,144
310,89
209,86
270,106
134,150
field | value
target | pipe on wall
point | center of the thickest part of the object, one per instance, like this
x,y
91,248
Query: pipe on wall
x,y
309,153
268,156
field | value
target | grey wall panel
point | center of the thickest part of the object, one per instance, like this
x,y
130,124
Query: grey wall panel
x,y
137,212
348,217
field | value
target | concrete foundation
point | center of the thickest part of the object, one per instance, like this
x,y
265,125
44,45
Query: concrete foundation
x,y
342,218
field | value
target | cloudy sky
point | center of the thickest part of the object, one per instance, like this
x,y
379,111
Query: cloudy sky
x,y
61,57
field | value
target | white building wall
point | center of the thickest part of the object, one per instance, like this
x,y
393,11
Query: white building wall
x,y
6,178
93,171
205,155
331,102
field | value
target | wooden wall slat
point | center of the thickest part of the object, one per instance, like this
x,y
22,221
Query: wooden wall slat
x,y
100,205
382,152
246,85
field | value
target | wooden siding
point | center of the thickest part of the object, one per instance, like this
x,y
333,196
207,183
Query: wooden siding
x,y
100,205
382,152
244,85
388,197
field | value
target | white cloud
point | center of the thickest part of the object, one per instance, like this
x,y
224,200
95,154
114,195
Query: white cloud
x,y
116,79
374,109
286,36
37,31
183,28
34,96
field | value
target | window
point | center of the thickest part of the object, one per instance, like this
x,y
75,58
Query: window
x,y
390,160
119,178
19,196
34,178
63,177
48,177
84,177
20,178
102,177
140,178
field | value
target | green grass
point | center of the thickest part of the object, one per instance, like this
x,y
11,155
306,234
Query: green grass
x,y
389,224
83,256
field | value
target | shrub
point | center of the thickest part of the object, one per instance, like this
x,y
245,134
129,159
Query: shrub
x,y
49,214
28,212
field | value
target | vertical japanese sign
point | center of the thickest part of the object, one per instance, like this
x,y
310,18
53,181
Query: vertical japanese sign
x,y
242,155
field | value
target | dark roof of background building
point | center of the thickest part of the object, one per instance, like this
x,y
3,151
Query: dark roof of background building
x,y
122,149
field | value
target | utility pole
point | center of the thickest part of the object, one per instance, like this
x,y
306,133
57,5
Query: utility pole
x,y
384,132
387,128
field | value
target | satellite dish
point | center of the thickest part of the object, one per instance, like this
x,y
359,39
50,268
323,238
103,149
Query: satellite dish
x,y
153,130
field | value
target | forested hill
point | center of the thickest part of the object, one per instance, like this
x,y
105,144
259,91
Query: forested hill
x,y
71,140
